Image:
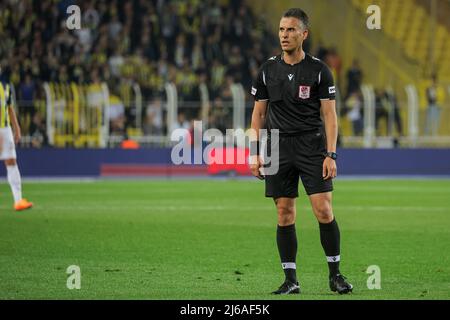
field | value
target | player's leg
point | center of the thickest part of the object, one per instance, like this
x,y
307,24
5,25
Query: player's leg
x,y
15,182
8,154
287,237
287,244
319,191
330,239
283,188
329,229
310,164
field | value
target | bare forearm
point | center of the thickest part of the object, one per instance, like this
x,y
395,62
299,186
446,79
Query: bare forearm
x,y
13,118
258,119
331,129
257,124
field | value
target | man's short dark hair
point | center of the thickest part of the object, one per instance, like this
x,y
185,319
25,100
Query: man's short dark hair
x,y
299,14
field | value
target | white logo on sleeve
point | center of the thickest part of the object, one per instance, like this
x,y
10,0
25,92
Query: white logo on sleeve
x,y
254,91
332,89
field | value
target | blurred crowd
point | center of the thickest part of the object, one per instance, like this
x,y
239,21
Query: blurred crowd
x,y
193,43
149,42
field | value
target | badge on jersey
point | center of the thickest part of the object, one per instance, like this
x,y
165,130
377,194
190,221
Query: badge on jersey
x,y
332,90
304,92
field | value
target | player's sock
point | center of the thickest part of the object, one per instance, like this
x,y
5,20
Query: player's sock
x,y
287,247
15,181
330,239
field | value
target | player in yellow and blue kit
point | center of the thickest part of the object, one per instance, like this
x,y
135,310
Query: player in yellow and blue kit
x,y
8,139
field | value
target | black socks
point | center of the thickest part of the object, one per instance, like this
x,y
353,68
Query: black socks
x,y
330,239
287,247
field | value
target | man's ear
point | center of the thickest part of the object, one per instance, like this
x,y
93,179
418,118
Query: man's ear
x,y
305,34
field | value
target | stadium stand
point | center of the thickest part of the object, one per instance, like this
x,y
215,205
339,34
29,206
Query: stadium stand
x,y
123,43
110,78
409,22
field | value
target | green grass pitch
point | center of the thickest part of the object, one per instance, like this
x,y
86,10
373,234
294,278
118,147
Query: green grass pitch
x,y
215,239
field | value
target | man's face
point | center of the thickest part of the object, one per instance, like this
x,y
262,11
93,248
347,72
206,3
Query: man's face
x,y
291,34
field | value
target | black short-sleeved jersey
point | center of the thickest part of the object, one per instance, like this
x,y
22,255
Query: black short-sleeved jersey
x,y
294,93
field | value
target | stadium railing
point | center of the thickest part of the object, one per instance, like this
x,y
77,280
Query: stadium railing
x,y
83,116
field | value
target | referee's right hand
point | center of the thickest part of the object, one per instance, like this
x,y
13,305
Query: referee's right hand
x,y
256,166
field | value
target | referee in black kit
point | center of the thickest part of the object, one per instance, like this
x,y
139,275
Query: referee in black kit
x,y
291,91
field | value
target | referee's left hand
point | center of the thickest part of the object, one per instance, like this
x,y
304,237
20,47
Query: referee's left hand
x,y
329,169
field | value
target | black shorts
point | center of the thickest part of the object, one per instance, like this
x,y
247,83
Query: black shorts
x,y
302,157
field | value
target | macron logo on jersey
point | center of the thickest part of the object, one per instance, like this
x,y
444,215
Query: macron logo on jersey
x,y
290,76
331,89
254,91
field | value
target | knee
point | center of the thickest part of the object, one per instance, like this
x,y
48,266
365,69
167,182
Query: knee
x,y
286,215
10,162
324,213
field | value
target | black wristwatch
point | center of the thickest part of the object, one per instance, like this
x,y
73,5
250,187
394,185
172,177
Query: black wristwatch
x,y
332,155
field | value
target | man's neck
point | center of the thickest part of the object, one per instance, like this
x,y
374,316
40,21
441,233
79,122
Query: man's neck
x,y
294,56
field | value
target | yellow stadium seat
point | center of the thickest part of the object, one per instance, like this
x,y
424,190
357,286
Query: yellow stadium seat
x,y
407,22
